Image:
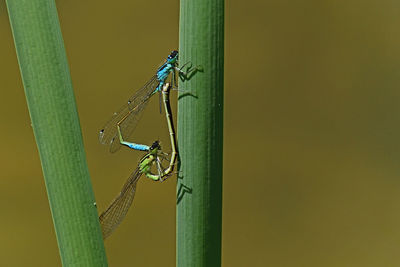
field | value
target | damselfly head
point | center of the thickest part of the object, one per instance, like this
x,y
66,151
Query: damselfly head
x,y
155,145
173,57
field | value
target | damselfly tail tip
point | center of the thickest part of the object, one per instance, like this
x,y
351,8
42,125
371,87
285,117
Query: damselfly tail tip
x,y
166,87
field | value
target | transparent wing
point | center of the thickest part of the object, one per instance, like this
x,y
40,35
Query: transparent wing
x,y
116,212
128,115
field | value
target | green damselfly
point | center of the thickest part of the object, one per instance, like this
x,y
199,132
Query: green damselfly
x,y
117,210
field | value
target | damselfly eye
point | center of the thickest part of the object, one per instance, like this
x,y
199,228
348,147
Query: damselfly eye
x,y
173,54
156,144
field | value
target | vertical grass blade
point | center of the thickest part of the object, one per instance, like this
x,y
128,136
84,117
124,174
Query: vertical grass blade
x,y
48,89
200,134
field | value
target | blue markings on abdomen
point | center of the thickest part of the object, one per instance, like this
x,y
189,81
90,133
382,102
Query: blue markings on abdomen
x,y
138,147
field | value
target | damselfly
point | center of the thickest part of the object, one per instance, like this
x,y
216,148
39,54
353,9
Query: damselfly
x,y
125,120
117,210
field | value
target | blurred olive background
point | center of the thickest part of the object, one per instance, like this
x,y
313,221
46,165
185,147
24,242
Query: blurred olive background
x,y
312,122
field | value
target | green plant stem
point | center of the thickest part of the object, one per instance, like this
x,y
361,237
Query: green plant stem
x,y
200,134
49,93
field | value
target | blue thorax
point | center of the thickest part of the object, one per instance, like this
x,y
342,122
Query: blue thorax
x,y
165,69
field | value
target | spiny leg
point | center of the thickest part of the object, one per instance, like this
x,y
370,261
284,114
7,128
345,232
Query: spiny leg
x,y
190,71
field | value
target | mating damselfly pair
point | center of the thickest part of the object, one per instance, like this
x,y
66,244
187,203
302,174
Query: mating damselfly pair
x,y
121,126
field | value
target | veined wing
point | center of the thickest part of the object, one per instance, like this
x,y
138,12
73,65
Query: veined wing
x,y
128,115
116,212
